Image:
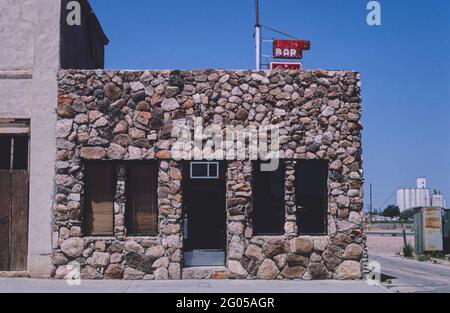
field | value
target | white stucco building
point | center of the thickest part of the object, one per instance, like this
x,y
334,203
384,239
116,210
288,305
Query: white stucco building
x,y
35,42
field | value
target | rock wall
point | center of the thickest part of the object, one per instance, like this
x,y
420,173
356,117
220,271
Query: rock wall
x,y
129,115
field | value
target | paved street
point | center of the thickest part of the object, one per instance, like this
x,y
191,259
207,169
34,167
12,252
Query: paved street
x,y
403,275
407,275
413,276
23,285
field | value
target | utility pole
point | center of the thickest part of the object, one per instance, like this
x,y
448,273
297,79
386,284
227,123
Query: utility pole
x,y
258,38
370,204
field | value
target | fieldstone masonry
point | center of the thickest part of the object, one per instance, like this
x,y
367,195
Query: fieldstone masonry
x,y
129,115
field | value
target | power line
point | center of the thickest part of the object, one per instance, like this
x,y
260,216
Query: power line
x,y
279,32
390,197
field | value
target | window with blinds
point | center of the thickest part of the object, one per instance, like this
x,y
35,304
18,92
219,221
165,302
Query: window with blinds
x,y
142,208
99,199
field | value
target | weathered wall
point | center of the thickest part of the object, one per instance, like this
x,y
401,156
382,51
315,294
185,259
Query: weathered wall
x,y
15,94
44,92
29,61
112,115
17,21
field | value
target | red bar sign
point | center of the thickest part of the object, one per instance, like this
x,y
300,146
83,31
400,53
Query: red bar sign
x,y
286,66
290,49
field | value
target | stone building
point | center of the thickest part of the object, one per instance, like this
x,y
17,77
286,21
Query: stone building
x,y
126,207
35,43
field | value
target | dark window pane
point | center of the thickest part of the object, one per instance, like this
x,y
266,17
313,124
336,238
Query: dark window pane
x,y
268,200
199,170
213,170
20,160
142,210
311,192
100,191
5,152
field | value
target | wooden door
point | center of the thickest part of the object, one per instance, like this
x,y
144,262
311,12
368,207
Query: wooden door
x,y
13,220
14,193
19,221
5,217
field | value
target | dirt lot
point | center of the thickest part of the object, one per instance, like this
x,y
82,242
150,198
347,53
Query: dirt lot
x,y
387,245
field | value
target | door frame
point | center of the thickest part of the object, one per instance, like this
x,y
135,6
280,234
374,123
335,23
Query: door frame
x,y
18,204
326,196
222,177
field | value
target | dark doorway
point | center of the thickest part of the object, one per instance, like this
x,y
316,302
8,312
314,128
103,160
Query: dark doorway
x,y
204,190
14,184
311,193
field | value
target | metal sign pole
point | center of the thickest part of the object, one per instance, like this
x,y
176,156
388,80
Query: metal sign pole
x,y
258,38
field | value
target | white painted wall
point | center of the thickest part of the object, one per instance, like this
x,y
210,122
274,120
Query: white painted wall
x,y
15,97
17,24
43,121
17,20
29,62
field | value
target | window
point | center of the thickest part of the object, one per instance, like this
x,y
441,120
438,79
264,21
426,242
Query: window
x,y
99,204
311,192
20,153
5,153
204,170
268,200
142,207
14,152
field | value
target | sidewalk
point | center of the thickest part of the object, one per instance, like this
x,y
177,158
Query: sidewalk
x,y
24,285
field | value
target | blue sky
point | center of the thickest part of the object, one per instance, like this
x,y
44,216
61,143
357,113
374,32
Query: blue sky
x,y
404,65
